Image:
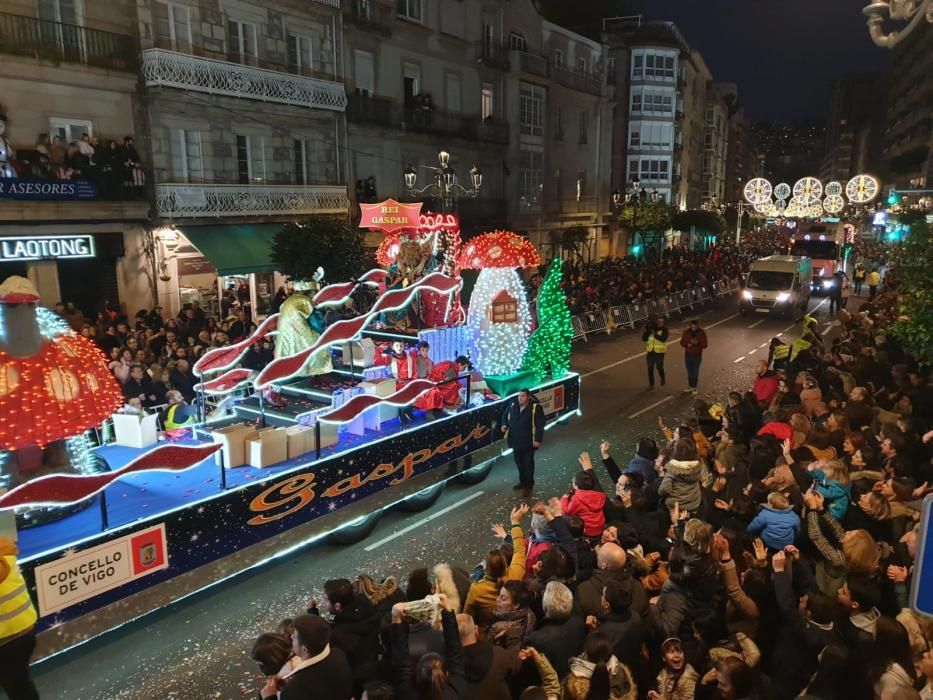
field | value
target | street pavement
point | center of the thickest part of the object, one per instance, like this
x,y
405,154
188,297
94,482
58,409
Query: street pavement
x,y
199,647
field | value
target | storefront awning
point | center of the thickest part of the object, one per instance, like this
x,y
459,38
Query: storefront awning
x,y
235,249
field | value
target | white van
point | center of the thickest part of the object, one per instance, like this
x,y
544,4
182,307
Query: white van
x,y
778,284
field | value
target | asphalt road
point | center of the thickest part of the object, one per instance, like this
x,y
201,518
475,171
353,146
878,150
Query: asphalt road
x,y
199,648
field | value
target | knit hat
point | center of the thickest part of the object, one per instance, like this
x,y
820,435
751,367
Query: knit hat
x,y
539,524
313,633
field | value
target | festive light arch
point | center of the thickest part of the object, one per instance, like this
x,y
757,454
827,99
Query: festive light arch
x,y
758,190
861,189
808,190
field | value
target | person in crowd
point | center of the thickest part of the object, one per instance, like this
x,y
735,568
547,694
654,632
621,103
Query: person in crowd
x,y
559,635
178,415
140,386
182,378
523,425
586,500
322,672
597,673
655,338
482,597
488,666
681,481
776,523
694,342
874,279
18,619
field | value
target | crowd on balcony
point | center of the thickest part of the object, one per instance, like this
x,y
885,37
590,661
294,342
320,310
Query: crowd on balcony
x,y
762,550
115,170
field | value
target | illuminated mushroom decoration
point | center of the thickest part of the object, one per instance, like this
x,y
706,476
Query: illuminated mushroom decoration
x,y
499,317
54,386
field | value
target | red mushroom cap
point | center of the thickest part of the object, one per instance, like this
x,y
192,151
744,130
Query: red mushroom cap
x,y
498,249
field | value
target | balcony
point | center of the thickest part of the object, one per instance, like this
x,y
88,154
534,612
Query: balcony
x,y
576,80
369,15
56,42
389,114
493,54
184,200
163,68
533,64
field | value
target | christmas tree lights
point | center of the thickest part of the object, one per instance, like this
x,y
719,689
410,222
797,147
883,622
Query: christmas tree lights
x,y
549,345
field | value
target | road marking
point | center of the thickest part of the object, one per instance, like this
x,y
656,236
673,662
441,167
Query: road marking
x,y
757,323
826,330
752,350
642,354
738,359
648,408
763,345
424,520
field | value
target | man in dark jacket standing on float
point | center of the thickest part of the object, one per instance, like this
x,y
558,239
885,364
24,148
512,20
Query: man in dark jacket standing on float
x,y
694,342
523,424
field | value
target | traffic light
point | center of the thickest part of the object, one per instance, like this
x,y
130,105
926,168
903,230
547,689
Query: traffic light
x,y
893,197
636,249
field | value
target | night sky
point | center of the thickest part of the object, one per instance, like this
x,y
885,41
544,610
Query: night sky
x,y
782,54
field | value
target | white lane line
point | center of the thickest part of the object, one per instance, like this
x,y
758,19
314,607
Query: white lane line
x,y
752,350
757,323
642,354
763,345
738,359
648,408
424,520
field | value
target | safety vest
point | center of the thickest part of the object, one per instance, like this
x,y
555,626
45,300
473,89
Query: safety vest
x,y
798,345
781,352
808,321
874,279
655,345
17,613
171,423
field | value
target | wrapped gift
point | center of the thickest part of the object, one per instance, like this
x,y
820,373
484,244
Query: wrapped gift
x,y
362,352
133,430
376,416
266,446
300,440
232,437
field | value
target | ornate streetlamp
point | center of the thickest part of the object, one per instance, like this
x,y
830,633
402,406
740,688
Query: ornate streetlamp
x,y
911,12
445,186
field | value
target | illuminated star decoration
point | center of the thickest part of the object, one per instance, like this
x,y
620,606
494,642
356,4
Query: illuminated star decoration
x,y
499,317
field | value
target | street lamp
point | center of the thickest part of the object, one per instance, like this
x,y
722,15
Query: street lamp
x,y
635,198
911,12
445,186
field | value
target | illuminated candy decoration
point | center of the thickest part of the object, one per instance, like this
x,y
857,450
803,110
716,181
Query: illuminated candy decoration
x,y
782,191
757,190
833,188
861,189
833,203
808,190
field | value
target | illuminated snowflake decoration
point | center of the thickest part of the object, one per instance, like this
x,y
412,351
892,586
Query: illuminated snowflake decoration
x,y
833,188
782,191
833,203
861,189
808,190
758,191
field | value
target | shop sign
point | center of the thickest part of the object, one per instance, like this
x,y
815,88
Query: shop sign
x,y
551,400
20,188
46,247
390,216
85,574
195,265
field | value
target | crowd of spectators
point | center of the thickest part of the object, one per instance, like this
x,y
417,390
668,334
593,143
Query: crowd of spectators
x,y
762,550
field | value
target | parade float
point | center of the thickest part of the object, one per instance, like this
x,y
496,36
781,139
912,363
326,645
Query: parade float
x,y
307,448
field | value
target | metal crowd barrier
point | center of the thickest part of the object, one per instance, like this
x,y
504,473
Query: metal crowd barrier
x,y
630,315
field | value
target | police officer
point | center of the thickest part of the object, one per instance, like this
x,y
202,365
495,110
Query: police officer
x,y
17,628
655,337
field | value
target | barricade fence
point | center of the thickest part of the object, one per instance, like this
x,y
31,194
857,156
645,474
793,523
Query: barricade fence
x,y
630,315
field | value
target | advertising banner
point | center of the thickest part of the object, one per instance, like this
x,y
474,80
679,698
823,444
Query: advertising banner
x,y
62,190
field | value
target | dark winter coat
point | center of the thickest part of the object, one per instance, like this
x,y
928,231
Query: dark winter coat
x,y
524,427
558,640
328,679
588,597
487,667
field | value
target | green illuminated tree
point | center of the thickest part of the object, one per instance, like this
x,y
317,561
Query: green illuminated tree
x,y
913,261
549,345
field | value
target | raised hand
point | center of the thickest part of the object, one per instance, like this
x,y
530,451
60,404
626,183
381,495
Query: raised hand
x,y
585,461
604,449
498,530
519,512
761,552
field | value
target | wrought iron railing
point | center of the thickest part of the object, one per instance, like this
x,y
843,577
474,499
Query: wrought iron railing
x,y
163,68
67,43
493,53
533,64
577,80
181,200
370,15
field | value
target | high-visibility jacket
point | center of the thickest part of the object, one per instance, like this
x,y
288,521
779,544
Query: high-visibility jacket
x,y
179,416
17,613
798,345
874,279
655,339
781,352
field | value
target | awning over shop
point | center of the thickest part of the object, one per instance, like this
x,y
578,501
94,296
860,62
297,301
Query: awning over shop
x,y
235,249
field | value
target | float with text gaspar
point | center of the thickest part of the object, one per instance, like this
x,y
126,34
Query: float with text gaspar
x,y
117,512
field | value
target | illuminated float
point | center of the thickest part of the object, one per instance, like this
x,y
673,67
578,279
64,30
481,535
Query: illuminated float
x,y
256,479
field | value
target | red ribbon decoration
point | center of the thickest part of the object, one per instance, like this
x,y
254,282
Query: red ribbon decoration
x,y
221,358
361,402
226,382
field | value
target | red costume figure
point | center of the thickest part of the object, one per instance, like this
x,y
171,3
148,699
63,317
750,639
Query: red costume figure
x,y
447,391
412,365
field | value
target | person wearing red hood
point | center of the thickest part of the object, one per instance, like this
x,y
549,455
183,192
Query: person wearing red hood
x,y
586,500
766,383
778,426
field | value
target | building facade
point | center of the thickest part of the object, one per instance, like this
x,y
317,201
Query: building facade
x,y
720,97
69,77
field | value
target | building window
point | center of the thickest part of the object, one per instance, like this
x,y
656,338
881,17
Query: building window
x,y
584,127
69,130
517,41
530,179
504,308
300,59
185,151
531,109
581,64
172,26
636,102
454,95
487,102
410,9
242,48
650,169
634,139
558,58
305,155
558,122
363,71
638,65
411,82
251,159
611,69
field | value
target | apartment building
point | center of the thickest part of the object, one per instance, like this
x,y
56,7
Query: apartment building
x,y
494,85
244,105
69,69
720,97
743,157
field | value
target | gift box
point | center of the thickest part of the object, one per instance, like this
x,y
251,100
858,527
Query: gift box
x,y
232,438
266,446
135,430
375,417
300,440
363,353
